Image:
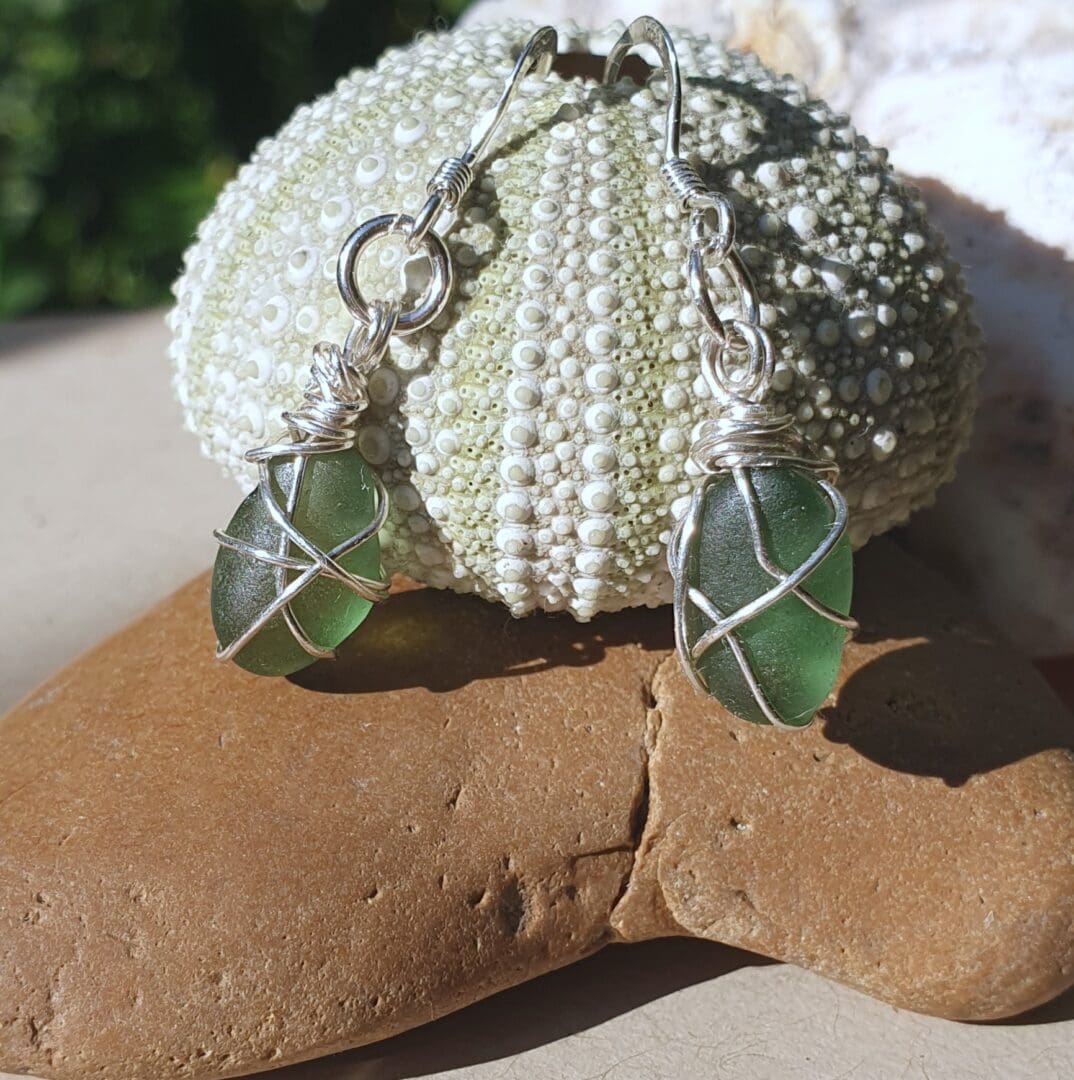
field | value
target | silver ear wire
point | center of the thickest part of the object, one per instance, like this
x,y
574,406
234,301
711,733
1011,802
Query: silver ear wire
x,y
647,31
446,189
454,175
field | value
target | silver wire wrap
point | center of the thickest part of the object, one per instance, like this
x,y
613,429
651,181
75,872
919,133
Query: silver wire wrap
x,y
749,433
334,399
336,394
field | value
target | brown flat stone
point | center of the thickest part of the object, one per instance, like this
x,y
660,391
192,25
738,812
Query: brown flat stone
x,y
917,842
203,873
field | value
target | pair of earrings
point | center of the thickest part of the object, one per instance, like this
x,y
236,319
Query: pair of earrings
x,y
760,561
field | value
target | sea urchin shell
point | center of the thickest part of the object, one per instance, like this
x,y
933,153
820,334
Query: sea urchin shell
x,y
534,440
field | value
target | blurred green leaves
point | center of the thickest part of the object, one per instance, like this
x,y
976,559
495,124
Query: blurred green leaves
x,y
120,120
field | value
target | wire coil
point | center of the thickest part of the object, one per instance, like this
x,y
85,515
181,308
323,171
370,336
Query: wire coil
x,y
752,437
683,180
451,181
335,396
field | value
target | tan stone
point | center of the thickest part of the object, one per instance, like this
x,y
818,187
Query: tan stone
x,y
203,873
917,842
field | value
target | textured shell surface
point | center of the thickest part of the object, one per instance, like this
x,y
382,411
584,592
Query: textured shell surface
x,y
535,438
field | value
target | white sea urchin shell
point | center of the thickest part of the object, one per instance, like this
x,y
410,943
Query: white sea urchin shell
x,y
534,440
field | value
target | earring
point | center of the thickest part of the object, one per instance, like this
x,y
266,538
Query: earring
x,y
760,561
299,564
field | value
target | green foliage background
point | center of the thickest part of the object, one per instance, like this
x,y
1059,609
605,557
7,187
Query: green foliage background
x,y
120,120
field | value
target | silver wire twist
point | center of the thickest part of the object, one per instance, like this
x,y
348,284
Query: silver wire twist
x,y
336,394
749,433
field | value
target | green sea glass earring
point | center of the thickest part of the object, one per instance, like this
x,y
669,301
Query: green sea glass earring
x,y
299,564
760,560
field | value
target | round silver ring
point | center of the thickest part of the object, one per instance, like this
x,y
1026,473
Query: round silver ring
x,y
440,282
736,270
760,362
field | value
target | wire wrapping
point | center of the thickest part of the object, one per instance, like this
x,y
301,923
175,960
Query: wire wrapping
x,y
333,400
683,180
749,432
753,439
693,195
335,395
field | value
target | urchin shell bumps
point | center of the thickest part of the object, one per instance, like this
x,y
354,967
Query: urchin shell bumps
x,y
534,439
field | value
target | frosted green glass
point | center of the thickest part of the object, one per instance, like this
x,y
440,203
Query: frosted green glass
x,y
793,651
337,499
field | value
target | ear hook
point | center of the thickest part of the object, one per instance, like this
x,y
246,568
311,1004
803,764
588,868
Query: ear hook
x,y
648,31
682,179
685,183
537,57
454,176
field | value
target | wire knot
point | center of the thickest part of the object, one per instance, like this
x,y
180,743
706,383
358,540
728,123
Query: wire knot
x,y
336,394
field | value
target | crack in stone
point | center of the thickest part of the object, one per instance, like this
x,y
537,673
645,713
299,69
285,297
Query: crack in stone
x,y
640,842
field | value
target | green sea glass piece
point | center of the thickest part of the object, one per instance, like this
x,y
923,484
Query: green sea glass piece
x,y
793,651
336,500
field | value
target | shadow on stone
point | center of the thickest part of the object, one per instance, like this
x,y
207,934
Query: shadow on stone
x,y
1058,1011
553,1007
892,712
914,709
441,641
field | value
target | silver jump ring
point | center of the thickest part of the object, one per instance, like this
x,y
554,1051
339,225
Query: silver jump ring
x,y
364,345
759,366
740,277
735,269
440,282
